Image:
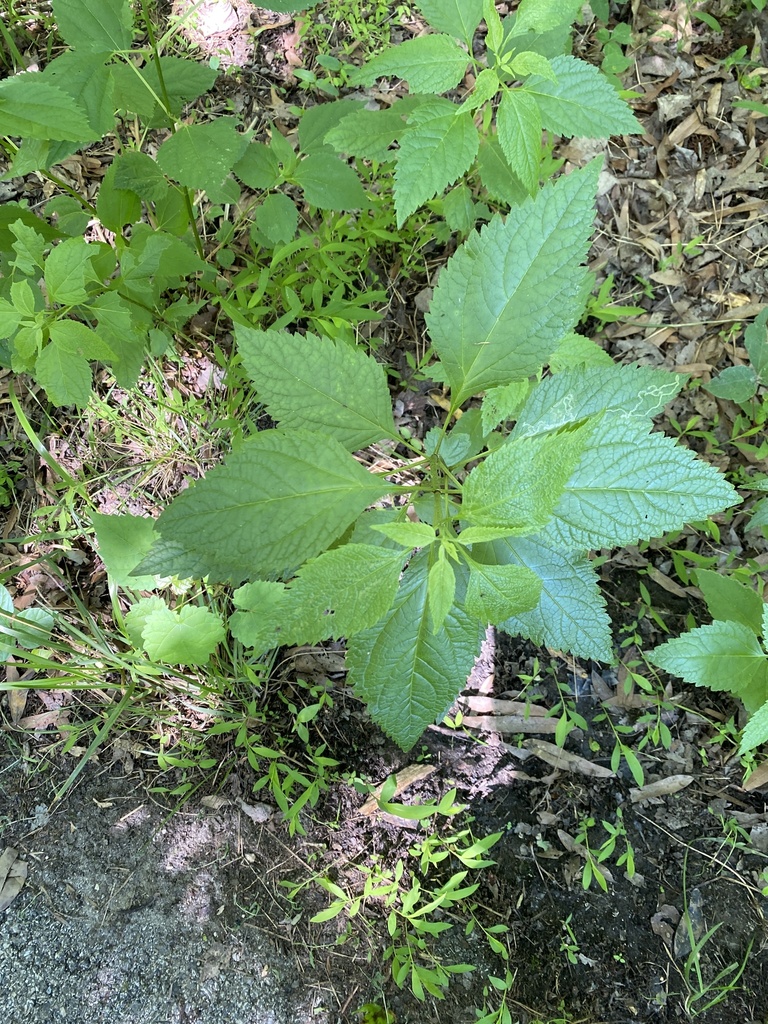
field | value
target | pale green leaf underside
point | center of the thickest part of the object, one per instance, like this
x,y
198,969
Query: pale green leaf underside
x,y
319,384
496,592
721,656
624,393
511,292
632,485
437,149
581,102
430,64
759,515
408,675
570,615
279,499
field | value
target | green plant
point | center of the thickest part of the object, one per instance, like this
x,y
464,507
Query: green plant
x,y
594,857
728,654
569,944
502,519
741,383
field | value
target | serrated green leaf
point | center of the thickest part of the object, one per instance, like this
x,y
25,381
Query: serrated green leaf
x,y
65,377
727,599
278,500
632,485
67,269
202,155
484,324
342,592
623,393
139,173
123,541
544,15
518,124
364,529
493,26
408,535
496,592
528,62
581,102
408,675
138,91
186,636
116,207
458,18
759,515
35,109
438,148
736,383
258,167
518,486
755,732
459,210
126,337
368,133
95,25
487,85
328,183
10,318
277,218
502,403
87,80
11,212
721,656
261,619
68,214
319,384
154,262
756,344
29,247
317,121
497,176
570,615
430,64
441,589
574,350
74,337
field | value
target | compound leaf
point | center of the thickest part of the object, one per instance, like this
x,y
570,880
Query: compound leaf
x,y
570,615
279,499
721,656
430,64
581,101
408,675
438,148
510,292
319,384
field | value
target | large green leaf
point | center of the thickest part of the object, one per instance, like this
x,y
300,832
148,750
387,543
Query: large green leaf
x,y
570,615
496,592
319,384
721,656
511,292
368,133
430,64
497,176
328,183
67,270
184,636
87,79
730,600
458,18
96,25
317,121
630,485
123,541
35,109
438,148
544,15
755,731
279,499
517,487
519,126
202,155
621,392
408,675
756,344
581,101
65,376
